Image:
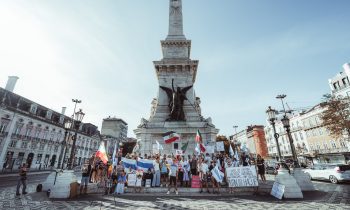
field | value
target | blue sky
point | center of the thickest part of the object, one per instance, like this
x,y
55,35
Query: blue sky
x,y
102,51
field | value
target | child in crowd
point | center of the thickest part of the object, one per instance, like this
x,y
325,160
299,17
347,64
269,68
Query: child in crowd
x,y
121,183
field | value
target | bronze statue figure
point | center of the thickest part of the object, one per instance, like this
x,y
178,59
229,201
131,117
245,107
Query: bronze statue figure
x,y
176,101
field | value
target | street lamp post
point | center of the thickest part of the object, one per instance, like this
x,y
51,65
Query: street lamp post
x,y
67,126
271,113
286,125
78,118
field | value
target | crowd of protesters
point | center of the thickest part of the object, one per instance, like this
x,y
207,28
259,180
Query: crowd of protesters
x,y
168,171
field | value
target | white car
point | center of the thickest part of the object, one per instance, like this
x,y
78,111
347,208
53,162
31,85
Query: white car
x,y
333,173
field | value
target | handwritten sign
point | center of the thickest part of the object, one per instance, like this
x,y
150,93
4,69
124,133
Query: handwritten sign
x,y
195,183
220,146
277,190
131,180
148,183
209,149
242,176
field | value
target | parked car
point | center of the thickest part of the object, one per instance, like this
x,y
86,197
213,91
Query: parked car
x,y
333,173
270,170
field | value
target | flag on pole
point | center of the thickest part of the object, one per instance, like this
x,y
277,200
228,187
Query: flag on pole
x,y
170,137
198,137
202,148
114,159
159,146
184,147
231,151
217,174
197,149
101,153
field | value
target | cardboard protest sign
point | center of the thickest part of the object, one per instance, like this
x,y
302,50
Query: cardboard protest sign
x,y
220,146
242,176
209,149
277,190
148,183
131,180
195,182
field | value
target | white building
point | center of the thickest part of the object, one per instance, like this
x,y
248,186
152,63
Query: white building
x,y
339,84
31,133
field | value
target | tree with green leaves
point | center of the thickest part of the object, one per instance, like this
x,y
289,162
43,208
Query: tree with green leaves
x,y
336,115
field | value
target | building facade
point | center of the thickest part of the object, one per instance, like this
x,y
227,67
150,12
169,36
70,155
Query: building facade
x,y
114,131
33,134
339,84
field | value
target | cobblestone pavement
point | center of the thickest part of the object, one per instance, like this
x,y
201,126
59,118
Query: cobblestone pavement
x,y
329,196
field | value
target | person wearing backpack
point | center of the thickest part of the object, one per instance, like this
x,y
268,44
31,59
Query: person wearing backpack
x,y
86,170
22,180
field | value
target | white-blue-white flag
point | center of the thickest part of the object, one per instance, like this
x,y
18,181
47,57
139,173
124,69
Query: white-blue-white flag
x,y
236,155
217,174
231,151
114,158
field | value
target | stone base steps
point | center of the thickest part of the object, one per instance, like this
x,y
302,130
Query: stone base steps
x,y
262,189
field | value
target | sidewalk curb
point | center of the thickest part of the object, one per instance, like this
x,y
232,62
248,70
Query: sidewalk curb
x,y
28,173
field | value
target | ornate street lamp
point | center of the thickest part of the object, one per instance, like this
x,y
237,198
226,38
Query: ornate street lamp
x,y
271,114
67,127
78,117
286,125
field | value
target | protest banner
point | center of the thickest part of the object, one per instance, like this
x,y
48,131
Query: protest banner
x,y
209,149
242,176
220,146
131,180
277,190
195,183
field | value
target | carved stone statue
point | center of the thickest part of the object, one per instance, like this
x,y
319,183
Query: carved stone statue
x,y
154,107
176,101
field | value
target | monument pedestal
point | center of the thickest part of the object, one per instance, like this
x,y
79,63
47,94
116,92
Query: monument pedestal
x,y
62,187
292,189
303,180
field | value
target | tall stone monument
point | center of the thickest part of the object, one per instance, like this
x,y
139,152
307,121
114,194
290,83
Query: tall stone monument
x,y
176,108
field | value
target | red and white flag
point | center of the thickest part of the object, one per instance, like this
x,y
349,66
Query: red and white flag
x,y
199,137
101,153
199,140
170,137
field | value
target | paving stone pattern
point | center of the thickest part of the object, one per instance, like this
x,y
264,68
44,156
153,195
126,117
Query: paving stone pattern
x,y
337,197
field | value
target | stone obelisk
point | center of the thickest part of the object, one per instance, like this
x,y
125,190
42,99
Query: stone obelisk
x,y
176,107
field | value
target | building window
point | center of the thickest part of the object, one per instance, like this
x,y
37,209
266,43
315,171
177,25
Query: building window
x,y
296,137
301,136
313,132
52,135
334,146
318,146
45,134
56,149
42,146
176,145
320,131
325,145
24,145
37,133
33,146
13,143
28,132
18,129
342,143
3,127
311,146
38,159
